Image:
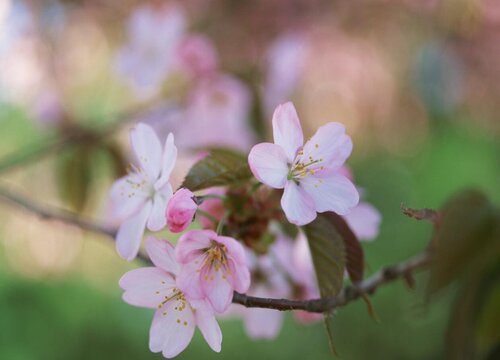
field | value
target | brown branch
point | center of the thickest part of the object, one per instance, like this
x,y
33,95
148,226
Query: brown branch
x,y
349,294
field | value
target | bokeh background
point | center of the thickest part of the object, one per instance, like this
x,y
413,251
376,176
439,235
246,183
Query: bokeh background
x,y
416,82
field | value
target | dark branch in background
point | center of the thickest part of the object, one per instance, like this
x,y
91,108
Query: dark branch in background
x,y
351,293
36,152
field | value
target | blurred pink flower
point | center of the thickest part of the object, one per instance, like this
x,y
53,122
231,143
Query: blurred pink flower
x,y
285,60
48,109
212,267
364,220
216,115
154,35
181,210
307,172
212,206
176,315
140,198
196,56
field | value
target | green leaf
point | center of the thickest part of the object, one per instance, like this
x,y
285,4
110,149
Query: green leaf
x,y
355,257
465,240
328,254
222,167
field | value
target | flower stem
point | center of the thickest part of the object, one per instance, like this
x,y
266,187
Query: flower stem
x,y
220,225
207,215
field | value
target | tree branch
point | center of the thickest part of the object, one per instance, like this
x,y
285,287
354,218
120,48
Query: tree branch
x,y
349,294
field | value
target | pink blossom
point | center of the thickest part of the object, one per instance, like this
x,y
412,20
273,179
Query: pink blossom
x,y
216,115
140,198
154,34
212,206
308,172
176,315
364,220
196,56
181,210
213,267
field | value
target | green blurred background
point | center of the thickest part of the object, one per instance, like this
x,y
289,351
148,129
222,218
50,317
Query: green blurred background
x,y
59,297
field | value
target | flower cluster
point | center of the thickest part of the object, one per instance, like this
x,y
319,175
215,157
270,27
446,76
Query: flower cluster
x,y
193,282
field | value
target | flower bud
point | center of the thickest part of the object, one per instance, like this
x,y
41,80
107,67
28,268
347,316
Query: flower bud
x,y
180,210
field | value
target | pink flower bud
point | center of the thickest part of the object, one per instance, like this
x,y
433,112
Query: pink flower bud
x,y
180,210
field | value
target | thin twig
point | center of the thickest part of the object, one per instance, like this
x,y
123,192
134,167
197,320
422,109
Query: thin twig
x,y
349,294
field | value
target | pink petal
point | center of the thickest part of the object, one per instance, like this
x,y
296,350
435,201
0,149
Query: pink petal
x,y
297,204
364,220
172,328
216,287
192,244
329,143
157,220
146,287
240,276
235,249
287,131
128,238
208,325
335,193
269,165
168,161
262,323
125,201
188,280
161,253
147,149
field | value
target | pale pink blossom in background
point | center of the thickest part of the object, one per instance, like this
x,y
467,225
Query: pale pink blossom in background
x,y
285,61
308,172
269,281
48,108
217,115
364,220
213,267
212,206
140,198
181,210
176,315
196,56
154,35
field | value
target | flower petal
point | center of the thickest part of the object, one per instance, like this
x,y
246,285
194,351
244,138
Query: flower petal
x,y
216,287
262,323
128,238
172,328
287,131
240,276
146,287
235,249
188,280
157,219
147,149
161,253
269,164
329,143
364,220
335,193
168,161
191,244
208,325
125,201
297,204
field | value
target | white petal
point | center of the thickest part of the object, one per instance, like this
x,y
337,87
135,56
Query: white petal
x,y
125,201
157,219
205,319
147,149
146,287
364,220
329,143
335,193
168,161
161,253
287,131
297,205
128,238
172,328
269,165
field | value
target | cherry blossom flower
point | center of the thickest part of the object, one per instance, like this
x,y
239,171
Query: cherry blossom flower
x,y
181,210
176,315
140,198
154,36
212,206
213,267
364,220
308,172
196,56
